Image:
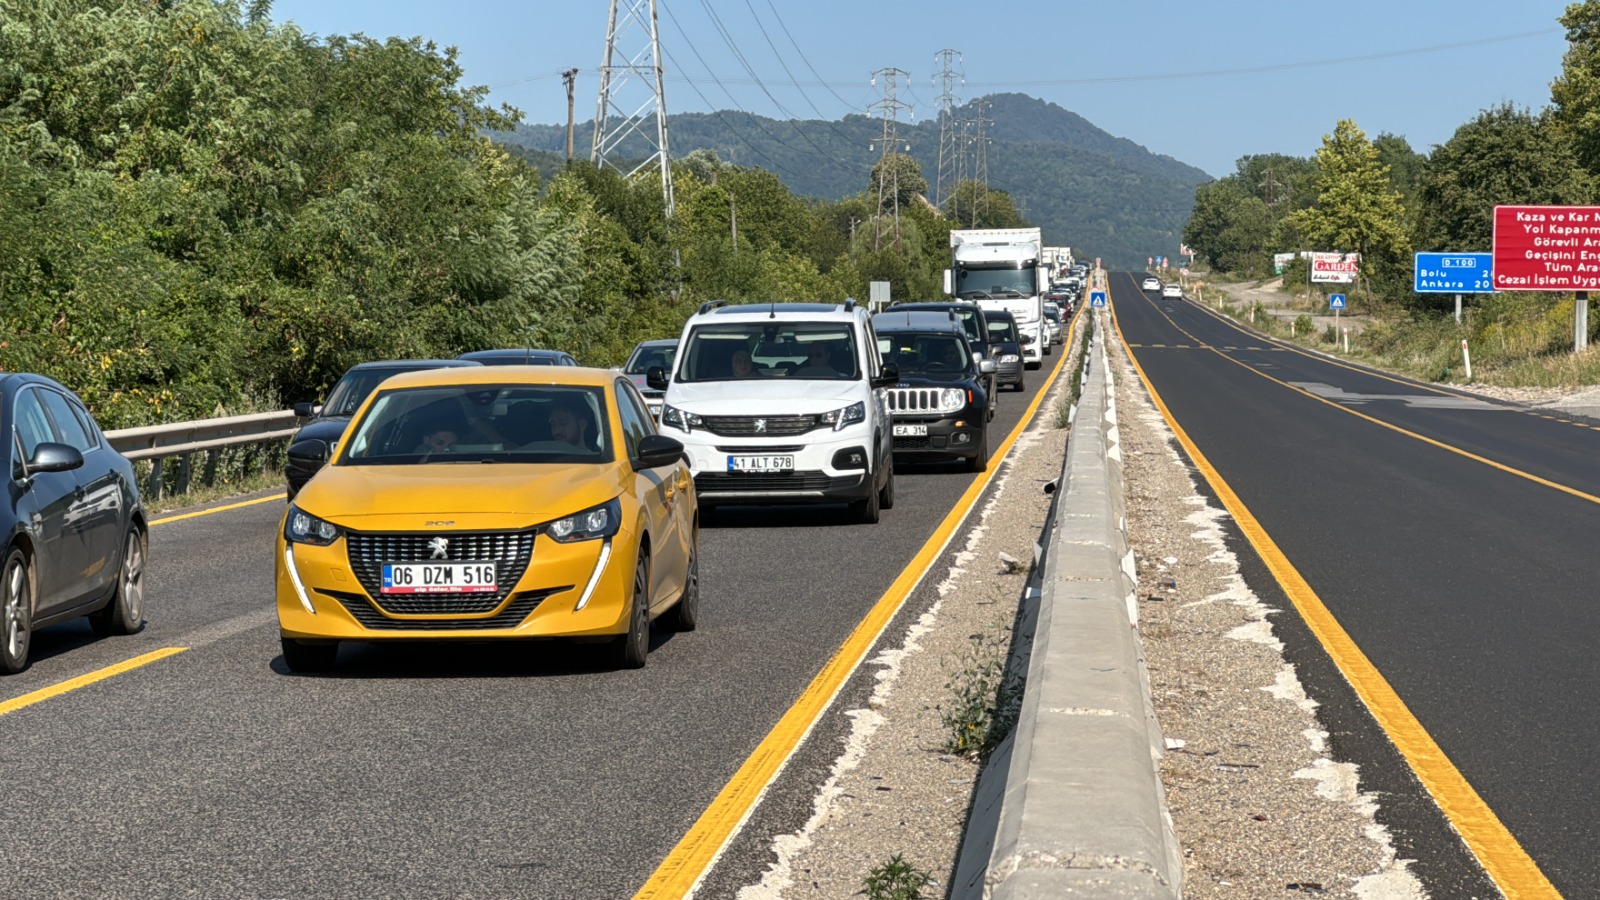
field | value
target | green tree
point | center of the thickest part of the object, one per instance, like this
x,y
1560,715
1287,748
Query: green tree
x,y
1503,156
1575,93
1357,210
1229,227
898,179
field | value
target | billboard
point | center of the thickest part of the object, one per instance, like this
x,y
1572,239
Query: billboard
x,y
1547,248
1334,268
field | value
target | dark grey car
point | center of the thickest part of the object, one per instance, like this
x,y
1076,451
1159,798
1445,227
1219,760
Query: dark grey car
x,y
75,526
1004,339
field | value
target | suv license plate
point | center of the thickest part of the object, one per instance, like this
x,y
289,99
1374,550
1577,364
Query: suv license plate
x,y
439,578
760,463
910,430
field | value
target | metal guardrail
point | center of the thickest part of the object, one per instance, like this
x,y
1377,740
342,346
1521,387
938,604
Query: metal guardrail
x,y
1071,804
159,443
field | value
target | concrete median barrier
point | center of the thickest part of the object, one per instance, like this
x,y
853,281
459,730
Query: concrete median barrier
x,y
1071,804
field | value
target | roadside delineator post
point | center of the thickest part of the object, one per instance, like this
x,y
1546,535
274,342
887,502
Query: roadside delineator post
x,y
1466,358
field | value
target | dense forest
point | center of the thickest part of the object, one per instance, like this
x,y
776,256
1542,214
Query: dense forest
x,y
204,213
1081,185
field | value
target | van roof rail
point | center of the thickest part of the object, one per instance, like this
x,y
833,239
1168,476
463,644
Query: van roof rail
x,y
709,305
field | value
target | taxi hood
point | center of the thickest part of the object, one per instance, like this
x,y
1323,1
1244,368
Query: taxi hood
x,y
471,495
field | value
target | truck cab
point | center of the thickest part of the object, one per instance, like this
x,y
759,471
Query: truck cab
x,y
1001,269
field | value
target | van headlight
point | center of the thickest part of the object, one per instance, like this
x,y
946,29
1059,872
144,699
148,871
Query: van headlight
x,y
597,522
849,415
952,400
301,527
680,419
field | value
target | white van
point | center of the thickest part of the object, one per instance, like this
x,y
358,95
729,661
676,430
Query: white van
x,y
782,403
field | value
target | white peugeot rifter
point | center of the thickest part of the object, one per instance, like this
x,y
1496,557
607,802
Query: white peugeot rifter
x,y
782,403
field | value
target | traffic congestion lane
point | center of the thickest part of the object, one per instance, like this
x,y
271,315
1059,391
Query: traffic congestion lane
x,y
429,770
1460,582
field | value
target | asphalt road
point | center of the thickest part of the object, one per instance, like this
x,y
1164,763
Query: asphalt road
x,y
1466,580
422,771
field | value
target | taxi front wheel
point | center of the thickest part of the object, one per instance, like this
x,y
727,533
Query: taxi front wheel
x,y
632,649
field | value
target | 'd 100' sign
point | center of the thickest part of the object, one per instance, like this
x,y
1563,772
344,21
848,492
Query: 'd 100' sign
x,y
1547,248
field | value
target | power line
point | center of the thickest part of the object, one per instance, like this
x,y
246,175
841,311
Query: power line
x,y
779,57
855,107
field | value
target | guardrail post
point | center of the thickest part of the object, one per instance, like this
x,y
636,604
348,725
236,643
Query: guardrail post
x,y
210,476
156,480
185,469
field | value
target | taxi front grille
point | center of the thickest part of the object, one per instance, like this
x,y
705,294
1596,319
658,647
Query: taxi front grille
x,y
370,617
510,551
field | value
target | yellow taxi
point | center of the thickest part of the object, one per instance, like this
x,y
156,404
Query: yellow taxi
x,y
491,503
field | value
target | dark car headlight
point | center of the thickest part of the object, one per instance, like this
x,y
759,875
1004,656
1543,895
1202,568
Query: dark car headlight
x,y
596,522
301,527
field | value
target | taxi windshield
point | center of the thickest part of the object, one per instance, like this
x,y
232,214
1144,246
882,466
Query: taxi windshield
x,y
478,423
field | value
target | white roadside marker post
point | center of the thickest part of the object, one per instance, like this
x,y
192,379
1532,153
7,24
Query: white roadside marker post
x,y
1466,358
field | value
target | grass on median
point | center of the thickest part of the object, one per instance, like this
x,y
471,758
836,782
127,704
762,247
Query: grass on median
x,y
896,880
985,697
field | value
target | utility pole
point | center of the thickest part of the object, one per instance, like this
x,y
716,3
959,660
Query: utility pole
x,y
570,78
629,73
889,107
949,74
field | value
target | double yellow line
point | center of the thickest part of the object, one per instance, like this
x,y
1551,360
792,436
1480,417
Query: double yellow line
x,y
689,861
1502,857
72,684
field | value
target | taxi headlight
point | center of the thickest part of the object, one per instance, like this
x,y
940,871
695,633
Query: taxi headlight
x,y
301,527
839,418
679,419
952,399
598,522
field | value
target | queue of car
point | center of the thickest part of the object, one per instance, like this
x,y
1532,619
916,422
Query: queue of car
x,y
513,494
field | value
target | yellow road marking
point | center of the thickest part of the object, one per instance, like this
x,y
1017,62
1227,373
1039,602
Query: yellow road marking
x,y
216,509
1510,470
689,861
1513,870
72,684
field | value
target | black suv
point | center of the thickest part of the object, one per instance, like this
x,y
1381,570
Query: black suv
x,y
973,325
940,406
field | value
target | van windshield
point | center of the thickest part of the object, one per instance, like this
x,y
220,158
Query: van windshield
x,y
764,349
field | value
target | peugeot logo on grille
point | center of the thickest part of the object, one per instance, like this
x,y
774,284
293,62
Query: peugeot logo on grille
x,y
761,425
440,547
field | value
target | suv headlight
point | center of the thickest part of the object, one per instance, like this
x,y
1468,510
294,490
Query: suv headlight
x,y
679,419
301,527
952,400
597,522
839,418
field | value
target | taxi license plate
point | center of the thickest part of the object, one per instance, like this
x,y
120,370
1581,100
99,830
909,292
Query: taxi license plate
x,y
910,430
439,578
760,463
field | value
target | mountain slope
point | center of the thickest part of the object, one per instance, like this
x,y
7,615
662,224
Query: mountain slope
x,y
1086,188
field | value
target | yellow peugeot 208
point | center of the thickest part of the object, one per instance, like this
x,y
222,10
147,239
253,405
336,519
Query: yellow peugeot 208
x,y
489,504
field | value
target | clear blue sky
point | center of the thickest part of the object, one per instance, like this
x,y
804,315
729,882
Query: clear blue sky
x,y
1157,72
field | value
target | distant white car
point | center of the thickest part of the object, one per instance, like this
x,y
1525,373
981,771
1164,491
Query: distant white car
x,y
1152,283
1172,290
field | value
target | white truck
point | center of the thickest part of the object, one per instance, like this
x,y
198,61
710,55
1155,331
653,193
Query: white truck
x,y
1059,259
1002,268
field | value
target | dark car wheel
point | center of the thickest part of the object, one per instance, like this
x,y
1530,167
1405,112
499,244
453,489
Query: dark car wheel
x,y
980,461
866,511
686,615
16,613
304,658
125,613
632,649
886,493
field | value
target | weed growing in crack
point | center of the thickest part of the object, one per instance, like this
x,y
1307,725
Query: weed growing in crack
x,y
896,880
985,697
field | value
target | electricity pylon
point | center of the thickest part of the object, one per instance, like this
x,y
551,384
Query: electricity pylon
x,y
890,107
949,137
620,87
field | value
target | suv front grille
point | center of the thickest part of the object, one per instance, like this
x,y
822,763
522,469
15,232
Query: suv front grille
x,y
511,552
759,426
371,617
914,400
713,482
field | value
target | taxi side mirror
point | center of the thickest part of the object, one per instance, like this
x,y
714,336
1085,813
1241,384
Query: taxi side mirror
x,y
656,450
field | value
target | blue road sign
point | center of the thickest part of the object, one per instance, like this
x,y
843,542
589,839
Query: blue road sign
x,y
1336,301
1453,273
1097,299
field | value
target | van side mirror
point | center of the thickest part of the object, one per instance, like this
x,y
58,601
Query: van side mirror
x,y
889,376
655,378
